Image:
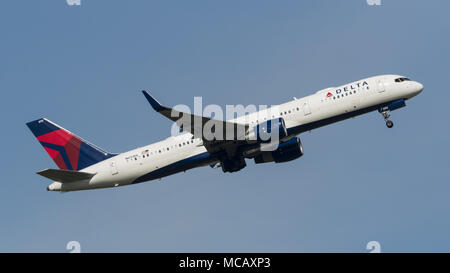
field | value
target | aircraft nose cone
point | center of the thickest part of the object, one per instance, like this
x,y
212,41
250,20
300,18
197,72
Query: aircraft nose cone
x,y
419,87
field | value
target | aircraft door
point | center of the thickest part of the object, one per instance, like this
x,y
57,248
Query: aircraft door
x,y
113,167
381,87
306,108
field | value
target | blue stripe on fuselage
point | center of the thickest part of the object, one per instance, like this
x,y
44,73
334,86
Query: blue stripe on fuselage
x,y
179,166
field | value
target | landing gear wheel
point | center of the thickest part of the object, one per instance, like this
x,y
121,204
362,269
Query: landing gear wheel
x,y
386,114
389,124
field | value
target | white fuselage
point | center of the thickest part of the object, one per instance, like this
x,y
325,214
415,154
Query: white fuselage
x,y
182,152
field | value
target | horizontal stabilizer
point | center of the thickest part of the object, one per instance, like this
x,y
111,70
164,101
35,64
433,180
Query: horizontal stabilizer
x,y
65,176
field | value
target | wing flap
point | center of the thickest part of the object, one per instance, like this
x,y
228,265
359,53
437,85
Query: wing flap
x,y
65,176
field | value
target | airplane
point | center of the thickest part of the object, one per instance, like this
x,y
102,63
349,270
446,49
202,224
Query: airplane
x,y
84,166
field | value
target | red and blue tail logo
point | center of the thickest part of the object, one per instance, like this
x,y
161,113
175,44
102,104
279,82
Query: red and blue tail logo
x,y
67,150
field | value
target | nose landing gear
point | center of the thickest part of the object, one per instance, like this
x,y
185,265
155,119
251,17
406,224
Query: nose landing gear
x,y
386,116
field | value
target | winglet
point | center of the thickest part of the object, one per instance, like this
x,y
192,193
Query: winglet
x,y
153,102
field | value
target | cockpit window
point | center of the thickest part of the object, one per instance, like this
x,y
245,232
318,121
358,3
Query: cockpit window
x,y
401,79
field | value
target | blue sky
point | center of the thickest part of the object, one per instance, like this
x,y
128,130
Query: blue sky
x,y
83,67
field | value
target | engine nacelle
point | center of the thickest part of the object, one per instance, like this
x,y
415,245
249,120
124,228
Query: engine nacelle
x,y
286,151
233,165
268,131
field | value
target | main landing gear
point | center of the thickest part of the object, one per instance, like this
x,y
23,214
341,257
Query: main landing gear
x,y
386,116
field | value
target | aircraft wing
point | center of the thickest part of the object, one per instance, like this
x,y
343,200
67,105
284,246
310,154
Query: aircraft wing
x,y
65,176
204,127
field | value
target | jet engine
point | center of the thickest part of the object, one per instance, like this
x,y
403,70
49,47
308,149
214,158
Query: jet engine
x,y
286,151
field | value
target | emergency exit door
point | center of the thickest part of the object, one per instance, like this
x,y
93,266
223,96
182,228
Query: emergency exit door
x,y
381,87
113,168
306,108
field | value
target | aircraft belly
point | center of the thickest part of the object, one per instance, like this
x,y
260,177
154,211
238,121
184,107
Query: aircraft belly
x,y
195,160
